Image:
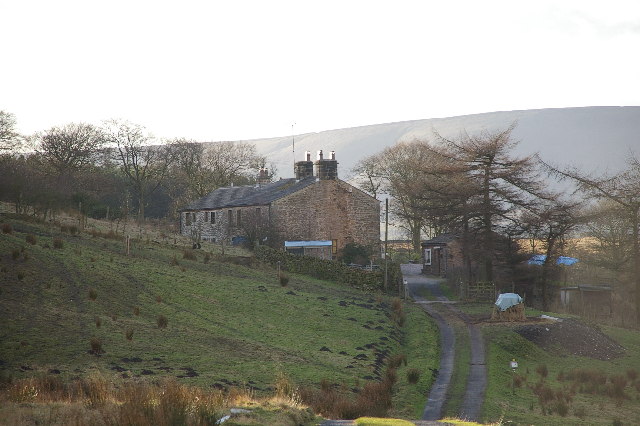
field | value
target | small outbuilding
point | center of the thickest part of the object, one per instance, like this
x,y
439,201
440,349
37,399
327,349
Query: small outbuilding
x,y
588,299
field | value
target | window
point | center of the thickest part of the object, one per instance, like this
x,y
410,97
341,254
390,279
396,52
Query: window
x,y
213,217
230,218
258,211
187,219
239,218
206,216
334,246
427,256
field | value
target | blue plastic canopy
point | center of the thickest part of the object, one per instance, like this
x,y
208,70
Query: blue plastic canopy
x,y
539,259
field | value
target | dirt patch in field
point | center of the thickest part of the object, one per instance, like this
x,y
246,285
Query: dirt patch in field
x,y
574,337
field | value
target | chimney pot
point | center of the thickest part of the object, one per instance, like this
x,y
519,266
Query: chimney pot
x,y
320,155
307,155
333,155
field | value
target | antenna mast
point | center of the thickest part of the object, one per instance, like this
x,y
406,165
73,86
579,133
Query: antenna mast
x,y
293,145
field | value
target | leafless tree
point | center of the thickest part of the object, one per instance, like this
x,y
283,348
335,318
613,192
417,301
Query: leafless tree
x,y
69,148
550,222
145,165
623,190
9,137
503,183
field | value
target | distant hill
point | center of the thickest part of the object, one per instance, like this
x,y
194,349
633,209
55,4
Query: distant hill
x,y
593,138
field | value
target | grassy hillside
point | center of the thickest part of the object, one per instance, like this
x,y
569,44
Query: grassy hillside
x,y
74,304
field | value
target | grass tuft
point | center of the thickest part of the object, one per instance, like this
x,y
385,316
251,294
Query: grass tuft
x,y
413,376
93,294
31,239
189,255
284,280
96,346
7,228
58,243
162,321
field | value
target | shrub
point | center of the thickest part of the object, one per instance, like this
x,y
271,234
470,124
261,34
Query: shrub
x,y
31,239
114,317
136,311
93,294
413,375
21,275
162,321
174,261
98,322
96,346
580,412
58,243
284,279
397,360
284,386
15,254
159,299
7,228
542,371
92,259
128,333
73,229
632,374
561,408
207,257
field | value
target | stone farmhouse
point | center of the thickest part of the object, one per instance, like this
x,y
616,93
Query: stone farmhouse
x,y
315,205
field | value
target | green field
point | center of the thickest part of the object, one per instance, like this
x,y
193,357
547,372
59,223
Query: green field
x,y
566,400
229,321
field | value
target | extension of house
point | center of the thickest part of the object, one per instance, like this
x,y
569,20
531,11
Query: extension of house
x,y
314,206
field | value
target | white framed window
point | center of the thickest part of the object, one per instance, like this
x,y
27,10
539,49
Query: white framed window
x,y
427,256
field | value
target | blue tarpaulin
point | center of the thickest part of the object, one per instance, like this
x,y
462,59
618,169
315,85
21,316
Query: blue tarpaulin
x,y
539,259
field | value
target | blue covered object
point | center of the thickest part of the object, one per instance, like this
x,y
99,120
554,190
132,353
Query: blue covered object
x,y
539,259
507,300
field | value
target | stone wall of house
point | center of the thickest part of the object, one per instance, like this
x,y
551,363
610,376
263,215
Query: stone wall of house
x,y
225,226
328,210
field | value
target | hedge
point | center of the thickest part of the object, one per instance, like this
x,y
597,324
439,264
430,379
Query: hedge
x,y
330,270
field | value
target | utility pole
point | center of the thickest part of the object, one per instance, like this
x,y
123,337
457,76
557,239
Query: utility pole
x,y
386,240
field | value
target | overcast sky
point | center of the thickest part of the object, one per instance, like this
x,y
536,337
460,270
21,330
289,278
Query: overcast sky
x,y
231,70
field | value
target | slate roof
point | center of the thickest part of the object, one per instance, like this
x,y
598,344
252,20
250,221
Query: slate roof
x,y
440,239
249,195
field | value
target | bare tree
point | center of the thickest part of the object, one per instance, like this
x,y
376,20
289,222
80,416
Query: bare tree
x,y
69,148
550,222
504,183
9,138
369,175
225,163
622,189
145,165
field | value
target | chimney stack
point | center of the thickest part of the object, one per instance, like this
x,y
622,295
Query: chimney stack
x,y
304,169
263,176
326,169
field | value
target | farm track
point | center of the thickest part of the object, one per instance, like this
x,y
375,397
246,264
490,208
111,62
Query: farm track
x,y
446,315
